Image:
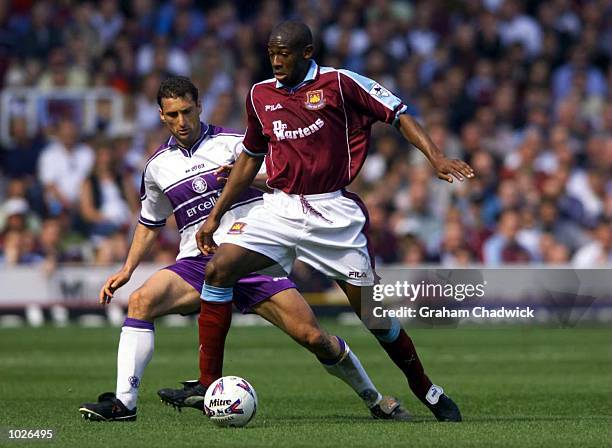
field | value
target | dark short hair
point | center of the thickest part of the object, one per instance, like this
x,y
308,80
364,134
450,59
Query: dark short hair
x,y
176,87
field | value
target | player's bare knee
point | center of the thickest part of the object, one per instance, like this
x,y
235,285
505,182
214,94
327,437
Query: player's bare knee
x,y
140,305
316,340
217,275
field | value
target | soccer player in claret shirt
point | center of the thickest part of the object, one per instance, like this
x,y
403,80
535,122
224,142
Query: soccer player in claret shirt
x,y
312,124
182,178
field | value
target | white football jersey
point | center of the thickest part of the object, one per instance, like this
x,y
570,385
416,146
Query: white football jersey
x,y
182,182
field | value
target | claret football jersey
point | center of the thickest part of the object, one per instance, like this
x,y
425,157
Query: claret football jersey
x,y
316,135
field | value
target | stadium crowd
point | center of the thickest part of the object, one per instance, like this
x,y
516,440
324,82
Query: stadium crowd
x,y
522,90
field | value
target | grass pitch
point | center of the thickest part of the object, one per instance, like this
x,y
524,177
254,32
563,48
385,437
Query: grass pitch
x,y
516,387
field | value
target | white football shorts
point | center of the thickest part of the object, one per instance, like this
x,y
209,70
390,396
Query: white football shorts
x,y
325,231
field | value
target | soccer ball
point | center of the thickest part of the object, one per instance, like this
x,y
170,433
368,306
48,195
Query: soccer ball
x,y
230,401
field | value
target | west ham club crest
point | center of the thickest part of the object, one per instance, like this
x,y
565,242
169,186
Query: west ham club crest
x,y
314,100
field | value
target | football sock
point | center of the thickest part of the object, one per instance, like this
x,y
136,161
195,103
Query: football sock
x,y
213,325
136,345
348,368
217,294
400,349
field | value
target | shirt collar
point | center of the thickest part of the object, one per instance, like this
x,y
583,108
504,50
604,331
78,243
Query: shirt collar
x,y
313,69
204,128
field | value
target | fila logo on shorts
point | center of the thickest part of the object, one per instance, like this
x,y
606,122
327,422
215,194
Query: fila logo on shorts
x,y
280,130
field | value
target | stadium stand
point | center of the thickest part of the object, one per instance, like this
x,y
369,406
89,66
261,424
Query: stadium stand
x,y
522,90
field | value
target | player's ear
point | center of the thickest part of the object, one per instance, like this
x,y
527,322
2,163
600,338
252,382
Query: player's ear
x,y
308,50
161,115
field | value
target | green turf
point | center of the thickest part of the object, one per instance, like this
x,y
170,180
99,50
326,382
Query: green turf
x,y
516,387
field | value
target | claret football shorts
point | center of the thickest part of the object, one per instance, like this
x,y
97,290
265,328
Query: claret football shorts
x,y
326,231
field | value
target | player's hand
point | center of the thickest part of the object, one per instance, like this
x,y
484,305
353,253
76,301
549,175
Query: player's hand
x,y
223,173
113,283
446,169
204,237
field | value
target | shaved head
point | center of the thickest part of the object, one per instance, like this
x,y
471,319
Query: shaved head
x,y
293,34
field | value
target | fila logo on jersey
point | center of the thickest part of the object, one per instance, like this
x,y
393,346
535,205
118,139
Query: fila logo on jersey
x,y
199,185
273,107
282,133
354,274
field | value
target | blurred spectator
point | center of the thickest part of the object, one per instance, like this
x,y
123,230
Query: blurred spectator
x,y
41,35
213,82
147,109
377,164
172,8
488,40
108,200
8,40
381,238
415,215
412,251
599,250
422,39
162,57
21,158
507,197
502,246
111,250
516,26
108,21
58,243
577,65
60,73
19,248
346,36
589,187
559,254
14,214
84,30
454,250
21,192
62,167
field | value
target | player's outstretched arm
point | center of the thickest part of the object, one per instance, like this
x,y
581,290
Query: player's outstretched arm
x,y
144,237
445,168
244,171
